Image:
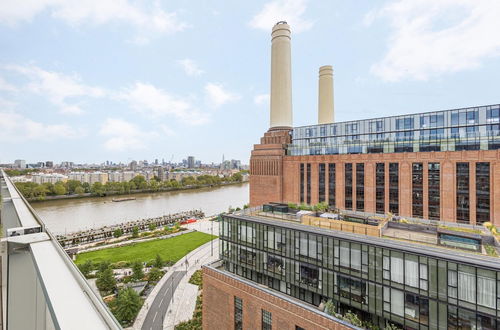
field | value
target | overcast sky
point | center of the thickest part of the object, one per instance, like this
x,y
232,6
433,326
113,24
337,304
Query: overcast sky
x,y
97,80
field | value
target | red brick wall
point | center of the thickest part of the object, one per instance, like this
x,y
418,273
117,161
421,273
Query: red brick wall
x,y
218,307
284,185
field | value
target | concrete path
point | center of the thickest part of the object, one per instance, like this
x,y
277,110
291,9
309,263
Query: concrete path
x,y
184,299
155,317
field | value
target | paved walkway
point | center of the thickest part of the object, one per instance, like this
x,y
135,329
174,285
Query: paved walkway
x,y
184,299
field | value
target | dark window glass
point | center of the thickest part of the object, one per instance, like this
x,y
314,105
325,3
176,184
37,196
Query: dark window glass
x,y
299,328
394,188
434,176
463,192
360,187
331,185
308,183
238,313
348,186
301,183
380,187
267,320
418,190
322,175
482,192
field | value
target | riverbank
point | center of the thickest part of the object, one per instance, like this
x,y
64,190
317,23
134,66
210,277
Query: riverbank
x,y
132,192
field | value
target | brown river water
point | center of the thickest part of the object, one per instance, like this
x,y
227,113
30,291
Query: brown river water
x,y
70,215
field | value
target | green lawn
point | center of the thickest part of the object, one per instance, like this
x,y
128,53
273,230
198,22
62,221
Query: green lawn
x,y
169,249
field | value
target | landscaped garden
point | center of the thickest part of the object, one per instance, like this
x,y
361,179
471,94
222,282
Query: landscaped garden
x,y
171,249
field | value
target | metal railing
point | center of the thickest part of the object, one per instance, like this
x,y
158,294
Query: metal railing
x,y
41,286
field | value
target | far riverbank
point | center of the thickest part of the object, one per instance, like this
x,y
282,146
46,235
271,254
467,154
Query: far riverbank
x,y
132,192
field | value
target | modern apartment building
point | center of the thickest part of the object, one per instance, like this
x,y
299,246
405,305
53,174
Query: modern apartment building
x,y
414,279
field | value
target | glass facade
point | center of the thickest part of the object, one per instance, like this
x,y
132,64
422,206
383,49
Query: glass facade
x,y
434,187
482,192
348,186
381,281
321,182
331,184
463,200
418,190
394,188
380,187
360,187
476,128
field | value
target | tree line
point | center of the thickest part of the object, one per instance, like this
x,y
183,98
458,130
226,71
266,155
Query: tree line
x,y
139,183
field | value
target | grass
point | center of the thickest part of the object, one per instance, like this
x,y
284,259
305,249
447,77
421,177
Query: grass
x,y
491,251
171,249
460,229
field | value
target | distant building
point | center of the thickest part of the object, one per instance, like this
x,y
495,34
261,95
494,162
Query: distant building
x,y
235,164
133,165
49,164
20,163
190,162
48,178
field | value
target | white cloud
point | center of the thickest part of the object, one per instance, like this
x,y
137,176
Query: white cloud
x,y
5,86
95,12
262,99
430,38
122,135
217,95
154,102
282,10
58,88
16,128
190,67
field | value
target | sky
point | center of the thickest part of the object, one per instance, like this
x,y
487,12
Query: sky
x,y
120,80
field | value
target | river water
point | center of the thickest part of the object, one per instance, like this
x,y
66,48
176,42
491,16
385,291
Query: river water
x,y
70,215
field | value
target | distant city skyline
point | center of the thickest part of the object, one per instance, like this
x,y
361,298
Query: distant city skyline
x,y
90,82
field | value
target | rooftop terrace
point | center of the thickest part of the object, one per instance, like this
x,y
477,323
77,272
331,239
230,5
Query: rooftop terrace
x,y
457,241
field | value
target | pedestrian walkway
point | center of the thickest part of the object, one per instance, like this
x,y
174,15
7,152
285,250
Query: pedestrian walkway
x,y
183,301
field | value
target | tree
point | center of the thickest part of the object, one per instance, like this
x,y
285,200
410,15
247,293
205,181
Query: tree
x,y
86,268
79,190
237,177
158,261
152,226
72,185
330,307
127,305
106,281
154,274
137,273
103,266
59,189
135,232
118,232
97,189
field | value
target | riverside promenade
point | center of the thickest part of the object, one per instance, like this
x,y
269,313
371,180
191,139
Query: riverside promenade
x,y
162,309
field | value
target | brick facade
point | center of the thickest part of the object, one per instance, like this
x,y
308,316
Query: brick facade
x,y
283,185
220,289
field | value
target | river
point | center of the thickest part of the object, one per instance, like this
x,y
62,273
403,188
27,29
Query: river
x,y
70,215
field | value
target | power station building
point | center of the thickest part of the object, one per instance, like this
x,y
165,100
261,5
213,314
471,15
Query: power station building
x,y
404,247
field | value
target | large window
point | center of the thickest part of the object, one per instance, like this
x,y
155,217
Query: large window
x,y
308,183
380,187
482,192
418,190
360,187
394,188
331,185
238,313
463,199
321,182
352,289
348,186
302,183
307,245
267,320
434,177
